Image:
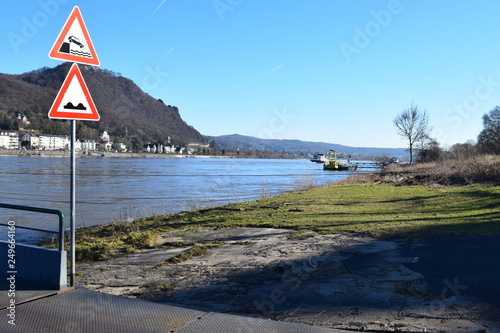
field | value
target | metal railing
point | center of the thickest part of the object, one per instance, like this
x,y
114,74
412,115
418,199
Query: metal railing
x,y
44,211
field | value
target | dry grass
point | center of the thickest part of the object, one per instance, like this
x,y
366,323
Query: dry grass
x,y
484,169
195,251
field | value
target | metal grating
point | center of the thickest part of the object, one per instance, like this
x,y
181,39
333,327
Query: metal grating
x,y
81,311
225,323
23,296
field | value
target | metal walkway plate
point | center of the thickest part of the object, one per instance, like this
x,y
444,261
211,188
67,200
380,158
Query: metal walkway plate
x,y
225,323
82,311
23,296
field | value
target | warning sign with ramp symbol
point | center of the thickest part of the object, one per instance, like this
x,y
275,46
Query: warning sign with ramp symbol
x,y
73,100
74,43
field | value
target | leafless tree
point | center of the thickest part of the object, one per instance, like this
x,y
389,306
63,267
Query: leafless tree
x,y
489,138
412,125
383,160
463,151
429,150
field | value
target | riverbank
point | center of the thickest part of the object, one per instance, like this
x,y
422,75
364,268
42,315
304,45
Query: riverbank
x,y
63,153
376,210
355,255
480,169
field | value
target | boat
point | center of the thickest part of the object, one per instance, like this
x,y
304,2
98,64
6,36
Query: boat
x,y
96,153
339,162
319,158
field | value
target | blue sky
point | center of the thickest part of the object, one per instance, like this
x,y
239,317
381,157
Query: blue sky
x,y
336,71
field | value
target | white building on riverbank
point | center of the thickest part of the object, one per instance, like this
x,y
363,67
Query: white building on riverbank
x,y
53,142
119,147
85,145
30,140
9,140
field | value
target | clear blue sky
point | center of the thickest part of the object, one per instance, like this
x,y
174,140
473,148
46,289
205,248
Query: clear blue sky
x,y
320,70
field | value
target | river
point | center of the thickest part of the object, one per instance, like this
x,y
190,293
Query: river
x,y
121,189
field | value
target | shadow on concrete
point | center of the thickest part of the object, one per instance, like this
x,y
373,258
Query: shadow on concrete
x,y
451,272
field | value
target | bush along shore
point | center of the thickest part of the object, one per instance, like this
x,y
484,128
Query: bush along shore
x,y
446,198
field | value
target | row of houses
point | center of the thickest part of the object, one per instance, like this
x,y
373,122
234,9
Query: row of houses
x,y
159,148
14,140
168,148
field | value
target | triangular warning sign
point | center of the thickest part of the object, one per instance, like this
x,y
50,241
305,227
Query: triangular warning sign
x,y
73,100
74,43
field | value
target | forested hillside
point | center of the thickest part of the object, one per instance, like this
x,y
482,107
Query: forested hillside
x,y
127,113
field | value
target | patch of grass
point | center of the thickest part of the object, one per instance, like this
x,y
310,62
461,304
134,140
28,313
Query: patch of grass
x,y
94,249
301,234
374,209
195,251
178,244
164,288
141,239
129,249
413,288
116,238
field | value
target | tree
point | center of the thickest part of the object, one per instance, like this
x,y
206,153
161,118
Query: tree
x,y
429,150
489,138
412,125
463,151
383,160
136,145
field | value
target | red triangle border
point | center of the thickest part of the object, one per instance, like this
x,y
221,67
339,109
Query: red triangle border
x,y
55,54
55,114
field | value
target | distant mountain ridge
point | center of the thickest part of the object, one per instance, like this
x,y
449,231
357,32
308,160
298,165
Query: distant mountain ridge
x,y
127,113
235,141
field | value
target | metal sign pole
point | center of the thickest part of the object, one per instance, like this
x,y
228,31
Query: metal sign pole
x,y
72,204
75,29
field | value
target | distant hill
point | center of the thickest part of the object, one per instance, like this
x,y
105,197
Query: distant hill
x,y
127,113
236,141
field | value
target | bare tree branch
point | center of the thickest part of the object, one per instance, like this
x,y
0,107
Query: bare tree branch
x,y
412,125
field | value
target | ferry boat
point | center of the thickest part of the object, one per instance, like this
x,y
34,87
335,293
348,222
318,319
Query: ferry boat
x,y
339,163
319,158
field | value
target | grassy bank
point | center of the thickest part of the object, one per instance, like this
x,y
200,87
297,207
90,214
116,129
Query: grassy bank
x,y
379,210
